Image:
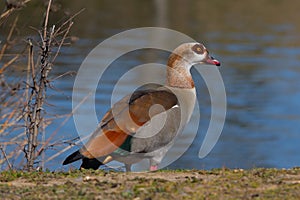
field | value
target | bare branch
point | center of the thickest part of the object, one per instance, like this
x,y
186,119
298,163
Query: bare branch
x,y
46,20
8,37
5,157
67,21
62,41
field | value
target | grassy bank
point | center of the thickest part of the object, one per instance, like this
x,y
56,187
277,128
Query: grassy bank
x,y
165,184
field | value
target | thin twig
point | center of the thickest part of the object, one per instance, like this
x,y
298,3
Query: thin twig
x,y
67,21
29,68
58,128
8,39
62,75
5,157
46,19
9,63
6,123
62,41
10,11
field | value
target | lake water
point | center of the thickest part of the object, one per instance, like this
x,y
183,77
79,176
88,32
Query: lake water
x,y
258,45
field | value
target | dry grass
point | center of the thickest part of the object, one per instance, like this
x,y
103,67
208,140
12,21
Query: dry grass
x,y
165,184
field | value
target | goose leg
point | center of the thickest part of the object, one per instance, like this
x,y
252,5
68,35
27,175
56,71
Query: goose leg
x,y
128,167
154,163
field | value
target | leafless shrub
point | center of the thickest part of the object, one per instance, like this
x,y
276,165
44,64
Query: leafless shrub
x,y
23,102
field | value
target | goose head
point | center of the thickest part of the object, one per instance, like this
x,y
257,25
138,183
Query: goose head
x,y
182,59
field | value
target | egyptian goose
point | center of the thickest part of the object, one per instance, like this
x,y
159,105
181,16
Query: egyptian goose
x,y
146,123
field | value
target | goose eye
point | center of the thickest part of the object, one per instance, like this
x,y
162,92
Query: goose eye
x,y
198,49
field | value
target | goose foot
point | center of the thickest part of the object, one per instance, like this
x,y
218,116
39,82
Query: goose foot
x,y
153,168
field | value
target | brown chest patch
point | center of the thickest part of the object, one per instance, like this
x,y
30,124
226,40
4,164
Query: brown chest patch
x,y
172,59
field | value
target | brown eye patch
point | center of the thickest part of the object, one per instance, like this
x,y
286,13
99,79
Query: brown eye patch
x,y
197,48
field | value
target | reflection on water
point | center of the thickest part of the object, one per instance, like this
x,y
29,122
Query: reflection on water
x,y
258,47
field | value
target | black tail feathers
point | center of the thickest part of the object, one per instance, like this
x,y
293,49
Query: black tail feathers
x,y
73,157
87,163
92,163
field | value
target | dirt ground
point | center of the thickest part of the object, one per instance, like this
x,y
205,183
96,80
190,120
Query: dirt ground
x,y
164,184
